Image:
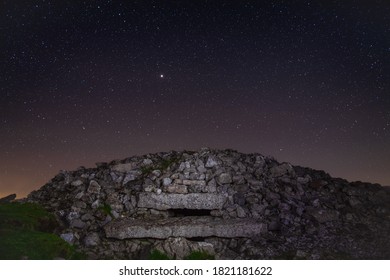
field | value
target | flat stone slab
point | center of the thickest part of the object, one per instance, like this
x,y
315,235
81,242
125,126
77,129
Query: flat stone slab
x,y
187,227
164,201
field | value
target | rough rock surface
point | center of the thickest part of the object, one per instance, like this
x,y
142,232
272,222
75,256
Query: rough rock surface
x,y
298,212
184,227
8,198
180,201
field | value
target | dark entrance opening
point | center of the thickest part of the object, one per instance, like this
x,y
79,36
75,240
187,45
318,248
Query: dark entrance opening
x,y
197,239
190,212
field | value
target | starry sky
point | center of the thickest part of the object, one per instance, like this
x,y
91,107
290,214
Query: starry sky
x,y
87,81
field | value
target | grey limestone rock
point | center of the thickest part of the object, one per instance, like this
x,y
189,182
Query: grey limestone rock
x,y
224,178
167,181
94,187
166,201
282,169
211,162
92,239
68,237
184,227
124,167
77,183
77,223
177,189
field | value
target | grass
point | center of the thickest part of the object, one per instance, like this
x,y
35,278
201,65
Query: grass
x,y
200,255
158,255
26,232
195,255
162,165
146,170
106,209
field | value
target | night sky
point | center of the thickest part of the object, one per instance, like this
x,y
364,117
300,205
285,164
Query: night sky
x,y
307,82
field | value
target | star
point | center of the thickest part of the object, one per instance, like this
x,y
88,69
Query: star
x,y
162,76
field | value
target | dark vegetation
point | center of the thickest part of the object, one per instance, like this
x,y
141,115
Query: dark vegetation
x,y
106,209
27,232
194,255
162,165
199,255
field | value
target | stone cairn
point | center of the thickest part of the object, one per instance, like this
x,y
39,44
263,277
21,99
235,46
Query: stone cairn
x,y
222,202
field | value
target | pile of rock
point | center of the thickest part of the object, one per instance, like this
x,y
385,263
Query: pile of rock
x,y
232,205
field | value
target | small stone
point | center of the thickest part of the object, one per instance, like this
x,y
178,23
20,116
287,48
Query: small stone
x,y
115,177
240,212
210,189
304,180
92,239
216,213
200,183
161,214
182,166
167,181
79,195
283,169
224,178
77,183
201,169
115,214
72,215
87,217
239,198
68,237
94,187
130,176
239,179
177,189
95,204
353,201
80,204
77,223
123,168
211,162
349,217
147,161
149,188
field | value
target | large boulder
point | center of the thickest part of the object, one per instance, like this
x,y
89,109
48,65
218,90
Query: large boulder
x,y
187,227
164,201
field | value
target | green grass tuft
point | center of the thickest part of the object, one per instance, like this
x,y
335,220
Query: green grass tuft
x,y
106,209
158,255
200,255
146,170
162,165
26,232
